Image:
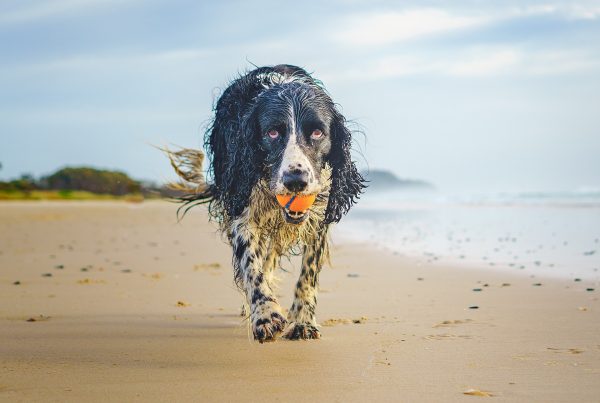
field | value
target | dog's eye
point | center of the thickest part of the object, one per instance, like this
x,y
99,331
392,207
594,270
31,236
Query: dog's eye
x,y
273,133
316,134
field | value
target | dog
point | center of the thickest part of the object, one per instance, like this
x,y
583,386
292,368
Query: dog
x,y
276,131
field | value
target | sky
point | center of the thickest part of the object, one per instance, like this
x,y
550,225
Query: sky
x,y
469,95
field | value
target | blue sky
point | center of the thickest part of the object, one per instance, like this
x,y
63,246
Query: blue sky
x,y
471,96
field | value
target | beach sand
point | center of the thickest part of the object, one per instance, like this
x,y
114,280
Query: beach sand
x,y
114,301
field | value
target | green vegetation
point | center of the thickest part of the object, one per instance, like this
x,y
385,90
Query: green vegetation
x,y
92,180
79,183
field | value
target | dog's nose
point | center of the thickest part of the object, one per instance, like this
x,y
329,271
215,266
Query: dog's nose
x,y
295,180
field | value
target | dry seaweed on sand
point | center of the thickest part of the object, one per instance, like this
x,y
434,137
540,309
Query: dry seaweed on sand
x,y
565,350
336,321
343,321
207,266
86,281
39,318
477,392
448,323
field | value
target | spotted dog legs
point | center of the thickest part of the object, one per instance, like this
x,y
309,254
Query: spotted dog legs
x,y
270,265
303,324
248,261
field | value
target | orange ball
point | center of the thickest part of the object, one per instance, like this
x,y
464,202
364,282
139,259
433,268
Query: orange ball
x,y
300,203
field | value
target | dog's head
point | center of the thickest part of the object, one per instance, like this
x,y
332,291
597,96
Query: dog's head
x,y
298,131
293,123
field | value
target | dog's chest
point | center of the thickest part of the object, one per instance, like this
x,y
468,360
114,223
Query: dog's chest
x,y
266,222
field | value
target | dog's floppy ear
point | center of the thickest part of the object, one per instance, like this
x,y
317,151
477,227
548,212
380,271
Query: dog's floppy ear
x,y
237,146
346,182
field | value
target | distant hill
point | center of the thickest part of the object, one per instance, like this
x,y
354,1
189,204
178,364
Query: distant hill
x,y
386,180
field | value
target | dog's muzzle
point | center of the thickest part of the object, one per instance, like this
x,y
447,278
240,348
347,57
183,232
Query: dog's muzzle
x,y
295,180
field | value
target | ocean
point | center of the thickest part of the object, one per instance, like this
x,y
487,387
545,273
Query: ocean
x,y
538,234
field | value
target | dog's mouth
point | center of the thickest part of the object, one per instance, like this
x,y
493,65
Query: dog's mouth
x,y
294,217
295,207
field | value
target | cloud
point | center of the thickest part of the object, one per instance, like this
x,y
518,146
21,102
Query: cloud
x,y
570,11
112,62
561,62
492,61
389,27
585,13
39,10
486,61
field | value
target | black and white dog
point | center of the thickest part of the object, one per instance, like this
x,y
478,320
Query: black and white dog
x,y
275,131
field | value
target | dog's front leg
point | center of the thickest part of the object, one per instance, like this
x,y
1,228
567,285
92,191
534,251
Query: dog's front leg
x,y
249,257
303,324
269,267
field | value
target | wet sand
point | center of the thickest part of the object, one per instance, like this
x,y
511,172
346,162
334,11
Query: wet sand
x,y
112,301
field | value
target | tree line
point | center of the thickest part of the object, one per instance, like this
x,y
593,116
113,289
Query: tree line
x,y
99,181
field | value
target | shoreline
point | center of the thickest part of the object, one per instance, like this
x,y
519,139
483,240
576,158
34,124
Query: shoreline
x,y
446,262
537,240
391,329
417,257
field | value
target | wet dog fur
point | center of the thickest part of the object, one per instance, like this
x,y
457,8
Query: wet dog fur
x,y
275,131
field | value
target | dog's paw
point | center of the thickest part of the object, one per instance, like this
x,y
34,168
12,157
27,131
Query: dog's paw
x,y
267,322
302,331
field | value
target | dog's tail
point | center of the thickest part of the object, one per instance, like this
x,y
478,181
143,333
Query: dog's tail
x,y
192,187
